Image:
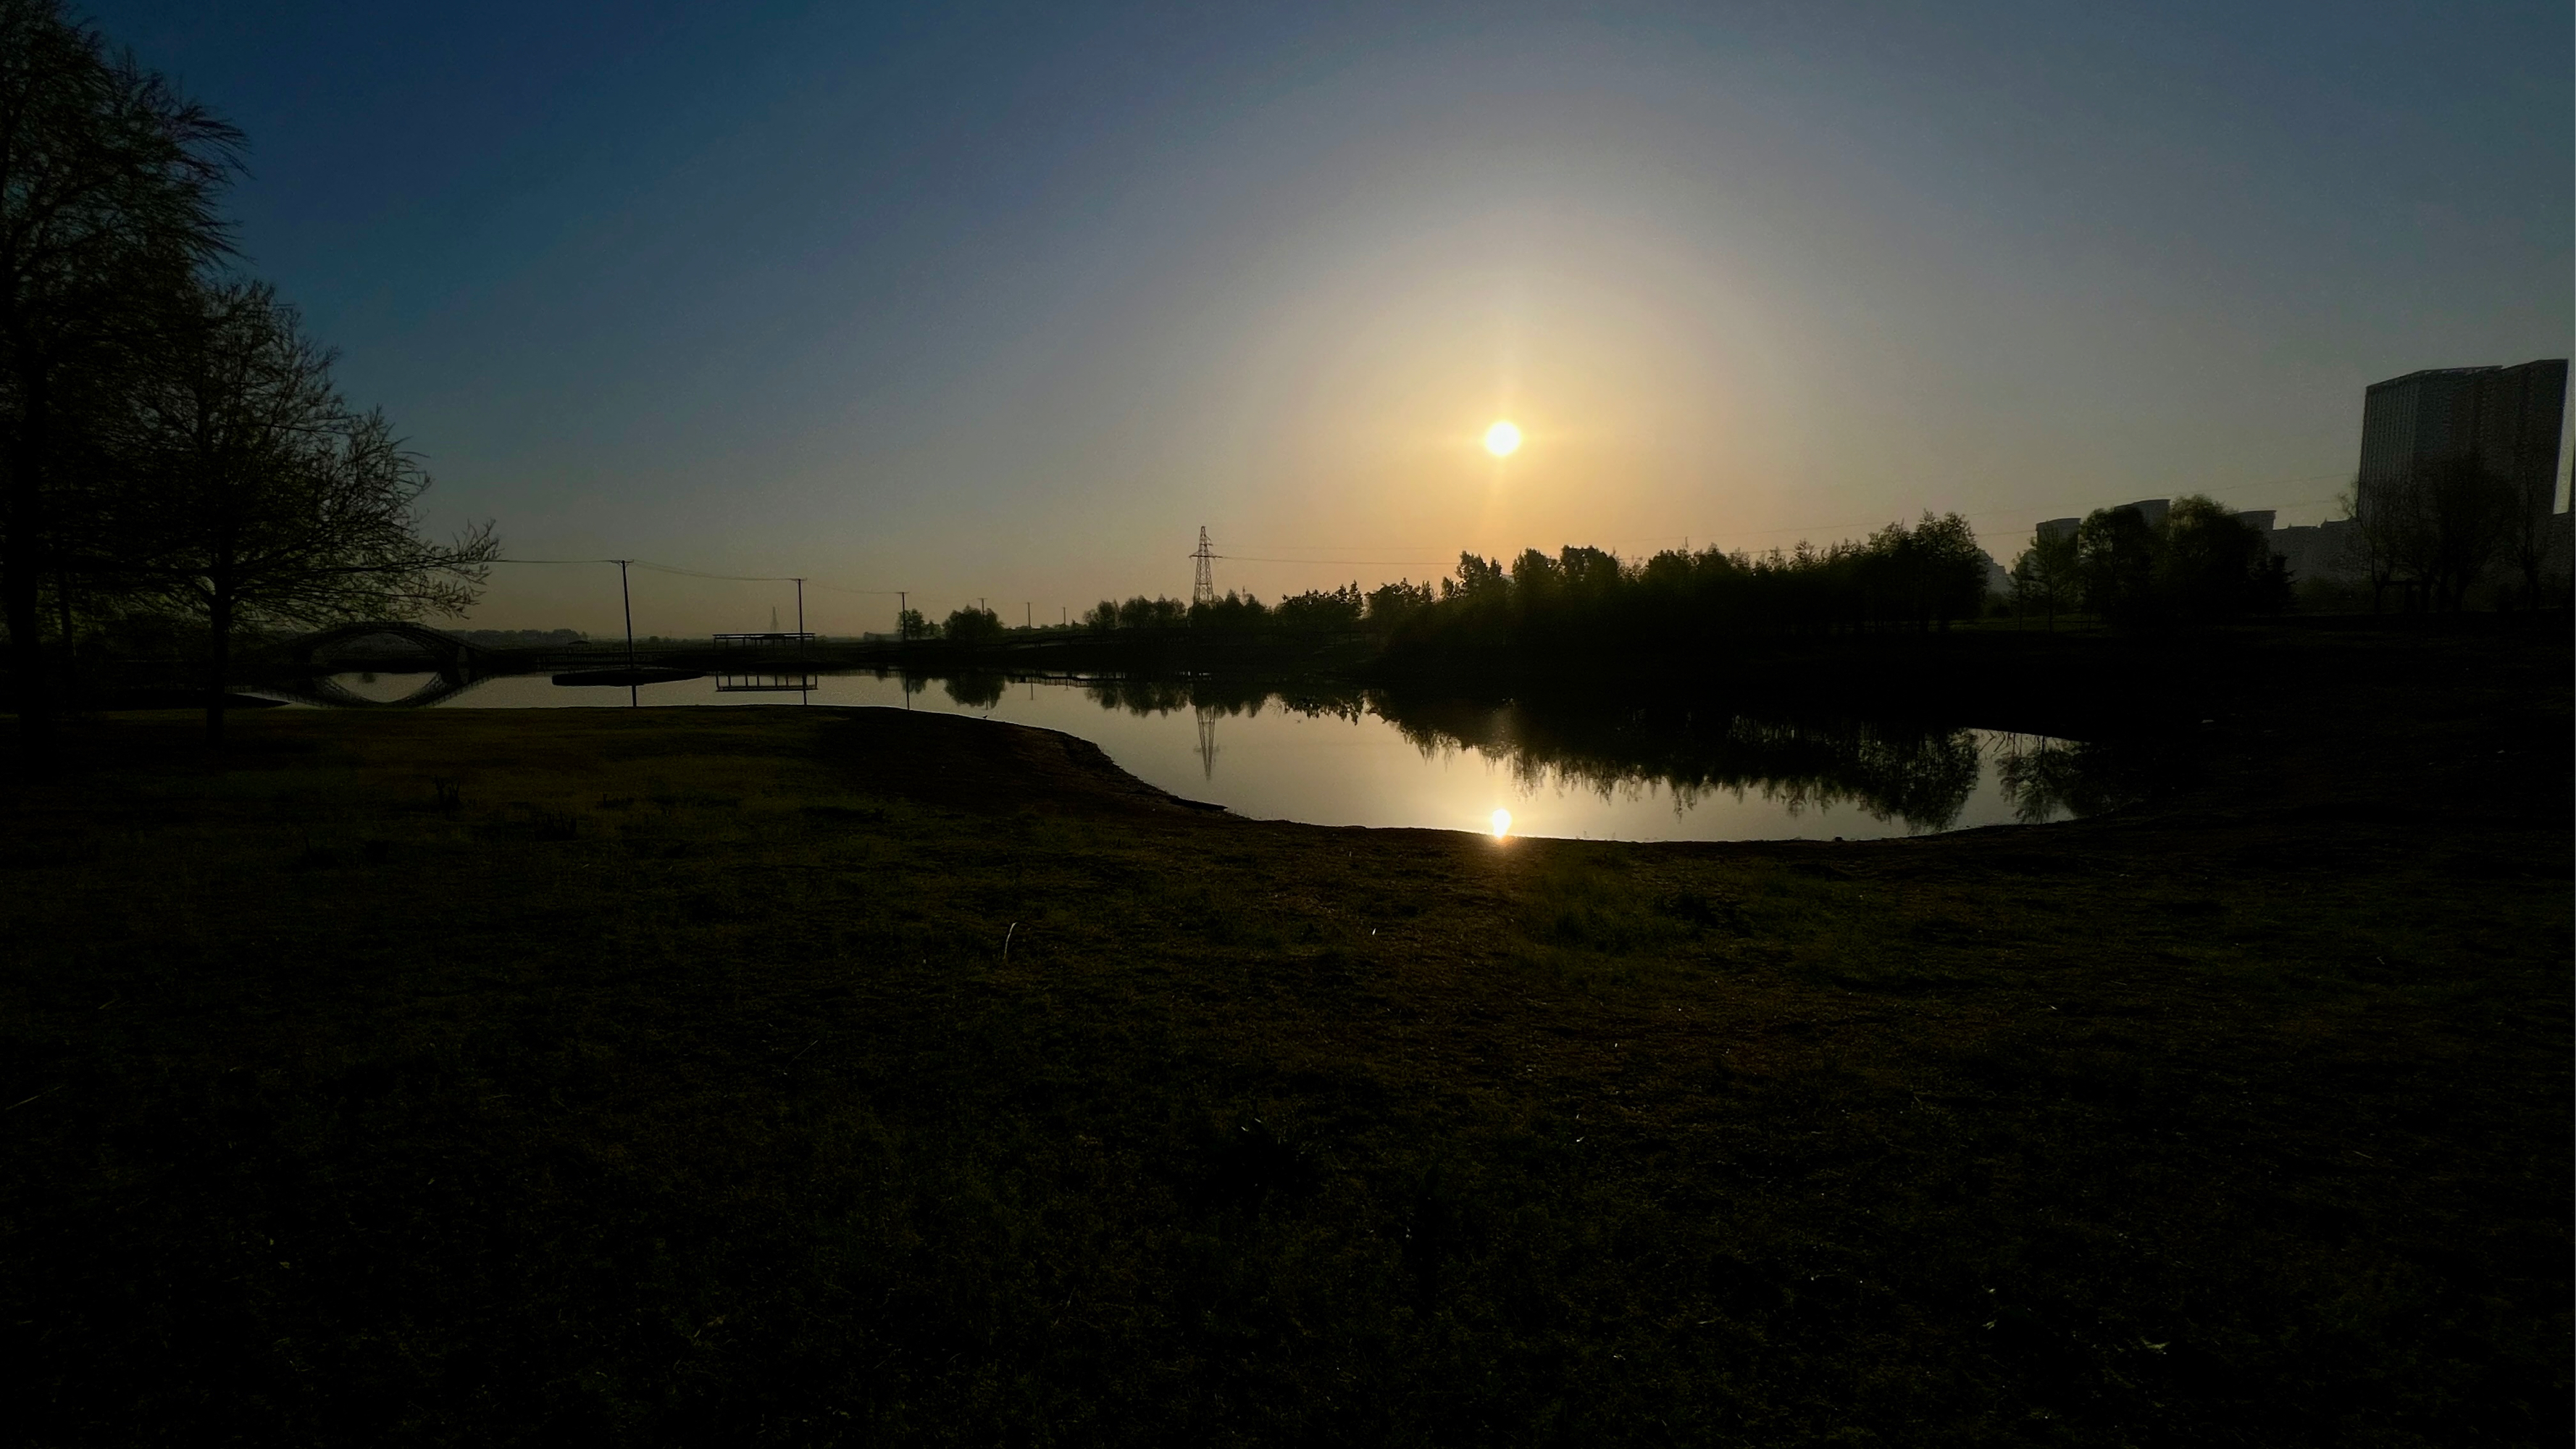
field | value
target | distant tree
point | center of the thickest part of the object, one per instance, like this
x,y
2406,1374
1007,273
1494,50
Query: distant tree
x,y
264,500
2116,564
1100,618
2045,576
1320,611
2530,547
1477,580
911,624
108,183
1390,605
1591,575
2366,547
1235,613
1157,613
2436,528
973,628
1929,574
1949,570
2214,565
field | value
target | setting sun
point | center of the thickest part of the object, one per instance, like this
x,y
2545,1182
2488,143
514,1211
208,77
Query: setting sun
x,y
1502,439
1502,823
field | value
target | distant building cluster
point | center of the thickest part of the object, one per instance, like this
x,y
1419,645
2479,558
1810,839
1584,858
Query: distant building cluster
x,y
2506,420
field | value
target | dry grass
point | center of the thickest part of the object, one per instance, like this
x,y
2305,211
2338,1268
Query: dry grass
x,y
663,1077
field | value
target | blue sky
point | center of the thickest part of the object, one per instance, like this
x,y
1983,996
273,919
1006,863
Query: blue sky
x,y
1005,302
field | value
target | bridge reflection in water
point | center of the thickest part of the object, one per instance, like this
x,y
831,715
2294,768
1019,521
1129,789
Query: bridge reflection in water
x,y
303,669
329,692
318,668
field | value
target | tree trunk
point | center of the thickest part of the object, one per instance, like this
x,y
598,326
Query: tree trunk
x,y
21,556
219,621
30,690
69,678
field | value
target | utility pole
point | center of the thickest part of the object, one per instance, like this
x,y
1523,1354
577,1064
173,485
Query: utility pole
x,y
1025,620
802,674
1203,585
626,597
902,625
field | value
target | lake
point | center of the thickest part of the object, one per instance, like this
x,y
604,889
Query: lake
x,y
1583,769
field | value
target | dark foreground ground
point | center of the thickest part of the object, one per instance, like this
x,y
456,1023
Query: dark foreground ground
x,y
773,1075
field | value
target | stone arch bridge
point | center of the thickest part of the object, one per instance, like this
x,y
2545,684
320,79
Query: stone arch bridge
x,y
294,668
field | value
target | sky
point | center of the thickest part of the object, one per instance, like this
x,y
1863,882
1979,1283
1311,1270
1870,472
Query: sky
x,y
1004,303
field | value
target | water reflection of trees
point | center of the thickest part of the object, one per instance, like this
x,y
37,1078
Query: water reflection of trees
x,y
1216,698
976,690
1923,777
2046,778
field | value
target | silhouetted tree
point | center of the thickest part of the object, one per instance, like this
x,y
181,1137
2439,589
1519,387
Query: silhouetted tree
x,y
2530,547
1233,614
912,624
2045,575
2436,527
108,182
1390,605
973,628
1476,580
2116,564
1945,573
1321,612
1158,613
266,500
2212,564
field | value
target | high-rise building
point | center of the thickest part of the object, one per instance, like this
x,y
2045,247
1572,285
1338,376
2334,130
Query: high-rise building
x,y
2507,418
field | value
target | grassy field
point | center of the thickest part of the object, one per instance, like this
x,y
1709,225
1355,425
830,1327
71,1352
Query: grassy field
x,y
810,1076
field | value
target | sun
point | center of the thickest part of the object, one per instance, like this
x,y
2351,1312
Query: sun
x,y
1502,439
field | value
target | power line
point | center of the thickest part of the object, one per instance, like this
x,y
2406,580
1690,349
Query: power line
x,y
702,574
1331,562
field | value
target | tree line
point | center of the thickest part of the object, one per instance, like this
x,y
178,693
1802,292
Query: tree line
x,y
1317,612
171,441
2438,531
2199,563
1899,579
2441,527
1921,578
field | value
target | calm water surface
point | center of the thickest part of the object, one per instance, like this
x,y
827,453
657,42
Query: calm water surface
x,y
1594,772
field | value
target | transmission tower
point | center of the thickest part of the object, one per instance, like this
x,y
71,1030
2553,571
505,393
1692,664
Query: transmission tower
x,y
1203,587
